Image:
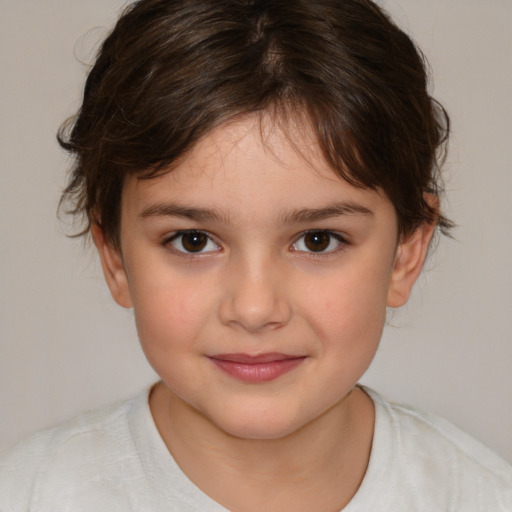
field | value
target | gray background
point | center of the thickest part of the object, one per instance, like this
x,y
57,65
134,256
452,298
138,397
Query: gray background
x,y
65,346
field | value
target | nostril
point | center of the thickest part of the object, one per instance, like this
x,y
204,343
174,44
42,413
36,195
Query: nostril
x,y
255,311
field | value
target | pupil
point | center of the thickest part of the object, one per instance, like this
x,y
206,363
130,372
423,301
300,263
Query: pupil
x,y
317,241
195,241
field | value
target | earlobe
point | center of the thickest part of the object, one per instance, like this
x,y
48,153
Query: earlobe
x,y
409,260
113,268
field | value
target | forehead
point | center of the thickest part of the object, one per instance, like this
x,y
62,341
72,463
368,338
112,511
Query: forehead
x,y
249,167
254,139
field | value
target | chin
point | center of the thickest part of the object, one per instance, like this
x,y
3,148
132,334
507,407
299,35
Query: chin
x,y
258,425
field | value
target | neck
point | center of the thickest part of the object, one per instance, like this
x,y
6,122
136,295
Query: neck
x,y
318,467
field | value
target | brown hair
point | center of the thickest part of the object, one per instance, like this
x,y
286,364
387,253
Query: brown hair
x,y
171,70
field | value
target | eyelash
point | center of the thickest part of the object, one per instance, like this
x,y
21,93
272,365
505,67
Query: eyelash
x,y
181,234
331,236
328,237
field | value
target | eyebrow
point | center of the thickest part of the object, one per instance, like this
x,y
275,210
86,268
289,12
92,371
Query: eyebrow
x,y
301,215
326,212
175,210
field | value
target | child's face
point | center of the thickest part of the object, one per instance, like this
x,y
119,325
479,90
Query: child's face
x,y
247,250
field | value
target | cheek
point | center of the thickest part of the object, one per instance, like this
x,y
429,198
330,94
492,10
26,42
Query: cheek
x,y
348,308
350,329
170,313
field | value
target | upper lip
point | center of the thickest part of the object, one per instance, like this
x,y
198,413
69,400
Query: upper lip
x,y
254,359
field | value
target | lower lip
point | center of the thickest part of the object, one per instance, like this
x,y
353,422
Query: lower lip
x,y
257,372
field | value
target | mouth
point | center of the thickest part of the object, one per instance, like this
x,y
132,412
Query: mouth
x,y
256,368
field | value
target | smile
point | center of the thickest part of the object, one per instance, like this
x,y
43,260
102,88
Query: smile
x,y
261,368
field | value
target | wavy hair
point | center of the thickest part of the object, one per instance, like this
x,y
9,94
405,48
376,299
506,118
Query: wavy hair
x,y
171,70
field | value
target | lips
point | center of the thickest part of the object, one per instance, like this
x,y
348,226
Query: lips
x,y
256,368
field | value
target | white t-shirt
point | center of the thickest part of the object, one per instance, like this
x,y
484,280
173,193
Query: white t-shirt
x,y
114,460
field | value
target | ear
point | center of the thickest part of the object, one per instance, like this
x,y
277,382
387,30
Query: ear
x,y
113,267
409,259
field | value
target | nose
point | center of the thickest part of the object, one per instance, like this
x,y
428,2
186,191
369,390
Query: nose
x,y
255,298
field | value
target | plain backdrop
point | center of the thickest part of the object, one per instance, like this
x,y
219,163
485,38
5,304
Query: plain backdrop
x,y
65,346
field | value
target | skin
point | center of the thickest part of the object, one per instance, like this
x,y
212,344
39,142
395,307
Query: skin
x,y
301,441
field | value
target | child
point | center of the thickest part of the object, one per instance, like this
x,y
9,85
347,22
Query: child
x,y
261,181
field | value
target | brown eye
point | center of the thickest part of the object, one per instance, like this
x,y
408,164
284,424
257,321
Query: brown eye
x,y
318,241
193,242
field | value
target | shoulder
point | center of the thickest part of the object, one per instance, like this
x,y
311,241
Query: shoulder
x,y
56,461
432,457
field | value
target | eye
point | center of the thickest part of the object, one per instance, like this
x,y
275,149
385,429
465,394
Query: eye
x,y
318,242
193,242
